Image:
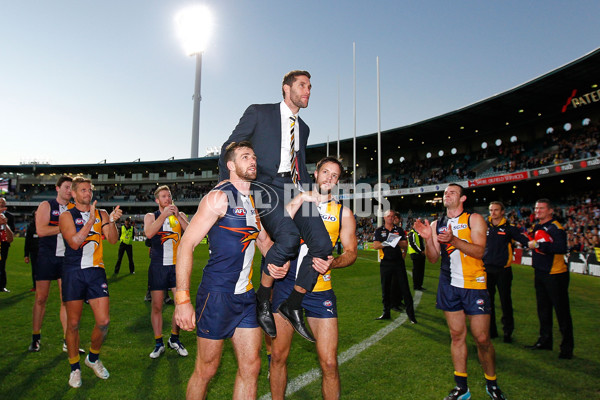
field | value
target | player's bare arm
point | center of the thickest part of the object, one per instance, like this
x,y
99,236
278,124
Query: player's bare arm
x,y
69,232
349,241
109,224
478,238
42,221
212,207
428,233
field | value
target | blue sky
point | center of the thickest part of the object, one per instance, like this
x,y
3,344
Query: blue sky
x,y
84,81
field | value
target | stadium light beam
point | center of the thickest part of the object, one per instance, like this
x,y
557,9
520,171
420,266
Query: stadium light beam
x,y
194,25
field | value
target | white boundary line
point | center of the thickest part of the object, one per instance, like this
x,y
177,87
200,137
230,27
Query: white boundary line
x,y
309,377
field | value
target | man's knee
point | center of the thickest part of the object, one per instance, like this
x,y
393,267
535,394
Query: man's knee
x,y
329,366
206,370
250,368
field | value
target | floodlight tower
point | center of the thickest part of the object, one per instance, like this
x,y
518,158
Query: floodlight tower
x,y
193,26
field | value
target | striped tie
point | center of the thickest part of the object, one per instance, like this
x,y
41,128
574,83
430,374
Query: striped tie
x,y
293,160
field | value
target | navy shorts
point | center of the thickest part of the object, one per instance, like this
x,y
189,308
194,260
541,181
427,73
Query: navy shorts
x,y
49,268
471,301
84,284
316,304
218,314
161,277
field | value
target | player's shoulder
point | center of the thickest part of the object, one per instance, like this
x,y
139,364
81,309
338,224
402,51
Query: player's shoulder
x,y
556,225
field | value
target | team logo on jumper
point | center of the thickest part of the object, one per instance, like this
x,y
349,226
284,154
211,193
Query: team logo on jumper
x,y
55,212
249,233
240,211
79,221
327,303
168,235
326,277
480,302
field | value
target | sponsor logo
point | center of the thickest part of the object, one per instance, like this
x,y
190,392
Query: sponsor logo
x,y
327,277
327,303
330,310
96,220
480,279
458,227
329,217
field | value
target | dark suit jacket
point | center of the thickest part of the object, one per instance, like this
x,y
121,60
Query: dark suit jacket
x,y
261,125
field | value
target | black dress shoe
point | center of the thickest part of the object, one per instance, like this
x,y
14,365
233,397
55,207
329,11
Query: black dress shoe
x,y
264,315
385,315
296,318
539,346
412,319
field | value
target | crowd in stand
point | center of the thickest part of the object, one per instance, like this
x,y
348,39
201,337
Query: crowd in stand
x,y
556,148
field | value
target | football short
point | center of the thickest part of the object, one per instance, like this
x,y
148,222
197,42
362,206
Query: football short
x,y
316,304
161,277
471,301
218,314
84,284
49,267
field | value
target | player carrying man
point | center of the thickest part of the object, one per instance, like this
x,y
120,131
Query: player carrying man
x,y
320,304
225,302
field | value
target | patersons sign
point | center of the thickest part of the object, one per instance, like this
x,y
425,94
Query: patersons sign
x,y
583,100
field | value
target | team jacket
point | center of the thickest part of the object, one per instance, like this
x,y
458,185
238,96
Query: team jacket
x,y
388,253
552,240
498,248
458,268
232,244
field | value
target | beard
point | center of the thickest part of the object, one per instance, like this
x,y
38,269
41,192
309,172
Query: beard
x,y
245,175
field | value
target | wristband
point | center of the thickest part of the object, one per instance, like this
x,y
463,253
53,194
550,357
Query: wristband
x,y
182,297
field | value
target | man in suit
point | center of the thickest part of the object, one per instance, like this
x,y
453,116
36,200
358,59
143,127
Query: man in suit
x,y
279,138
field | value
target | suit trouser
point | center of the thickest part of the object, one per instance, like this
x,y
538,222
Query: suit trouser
x,y
552,291
502,279
286,233
122,249
4,246
387,270
418,270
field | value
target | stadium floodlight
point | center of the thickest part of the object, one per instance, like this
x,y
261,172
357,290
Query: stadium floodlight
x,y
484,145
513,139
194,25
453,151
428,155
567,127
441,153
498,142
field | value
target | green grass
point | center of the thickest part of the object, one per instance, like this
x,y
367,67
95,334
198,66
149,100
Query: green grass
x,y
412,362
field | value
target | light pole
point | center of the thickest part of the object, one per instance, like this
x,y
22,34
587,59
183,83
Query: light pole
x,y
193,26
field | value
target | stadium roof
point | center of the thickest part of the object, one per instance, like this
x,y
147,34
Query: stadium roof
x,y
546,98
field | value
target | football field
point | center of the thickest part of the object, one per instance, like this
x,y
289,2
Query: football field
x,y
378,359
